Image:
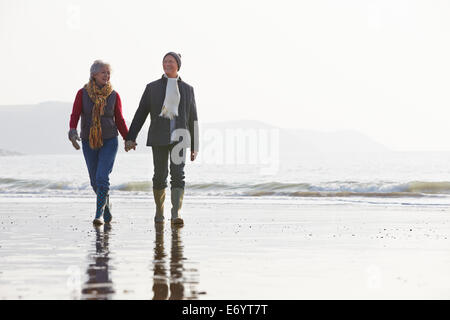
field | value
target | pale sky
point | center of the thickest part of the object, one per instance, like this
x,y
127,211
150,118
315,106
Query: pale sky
x,y
378,67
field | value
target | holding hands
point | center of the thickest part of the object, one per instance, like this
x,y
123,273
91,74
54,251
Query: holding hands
x,y
73,137
130,145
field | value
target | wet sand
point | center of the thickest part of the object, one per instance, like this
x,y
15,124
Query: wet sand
x,y
226,250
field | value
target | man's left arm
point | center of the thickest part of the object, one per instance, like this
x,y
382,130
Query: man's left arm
x,y
193,126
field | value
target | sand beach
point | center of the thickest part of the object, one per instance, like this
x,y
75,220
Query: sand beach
x,y
228,249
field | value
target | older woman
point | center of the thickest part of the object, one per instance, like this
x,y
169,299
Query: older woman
x,y
100,109
171,104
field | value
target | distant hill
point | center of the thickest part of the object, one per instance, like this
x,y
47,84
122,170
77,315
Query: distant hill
x,y
9,153
42,129
305,141
338,141
39,129
35,128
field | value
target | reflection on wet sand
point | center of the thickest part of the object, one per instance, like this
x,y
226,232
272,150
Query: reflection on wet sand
x,y
160,286
176,266
171,279
176,281
99,286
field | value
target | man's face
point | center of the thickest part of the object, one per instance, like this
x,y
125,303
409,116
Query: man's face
x,y
170,66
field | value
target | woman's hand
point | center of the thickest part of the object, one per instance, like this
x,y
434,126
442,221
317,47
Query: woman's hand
x,y
73,137
193,155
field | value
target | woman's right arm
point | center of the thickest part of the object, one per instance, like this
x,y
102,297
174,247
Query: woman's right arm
x,y
74,117
76,110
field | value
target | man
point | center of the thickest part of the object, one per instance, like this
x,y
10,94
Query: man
x,y
171,104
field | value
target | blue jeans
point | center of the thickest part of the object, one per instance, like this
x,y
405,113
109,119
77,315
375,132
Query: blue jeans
x,y
100,162
160,158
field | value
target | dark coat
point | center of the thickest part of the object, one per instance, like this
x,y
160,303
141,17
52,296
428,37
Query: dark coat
x,y
152,101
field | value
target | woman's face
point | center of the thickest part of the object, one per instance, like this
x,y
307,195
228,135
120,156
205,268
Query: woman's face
x,y
102,77
170,66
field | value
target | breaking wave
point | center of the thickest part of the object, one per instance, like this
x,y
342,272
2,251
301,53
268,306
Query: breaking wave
x,y
323,189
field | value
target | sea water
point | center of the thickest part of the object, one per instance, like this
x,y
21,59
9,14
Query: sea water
x,y
404,178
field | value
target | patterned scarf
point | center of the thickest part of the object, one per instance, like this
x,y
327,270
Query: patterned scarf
x,y
98,96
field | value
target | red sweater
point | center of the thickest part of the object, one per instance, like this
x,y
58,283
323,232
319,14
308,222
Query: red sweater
x,y
118,117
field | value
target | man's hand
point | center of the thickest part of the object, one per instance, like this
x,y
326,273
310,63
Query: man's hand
x,y
130,145
193,155
73,137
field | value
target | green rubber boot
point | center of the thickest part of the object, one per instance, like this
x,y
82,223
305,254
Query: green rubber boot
x,y
159,196
176,197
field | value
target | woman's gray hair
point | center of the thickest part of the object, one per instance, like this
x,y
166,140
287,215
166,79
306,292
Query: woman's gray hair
x,y
97,66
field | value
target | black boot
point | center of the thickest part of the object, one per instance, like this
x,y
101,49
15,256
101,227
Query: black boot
x,y
107,216
102,196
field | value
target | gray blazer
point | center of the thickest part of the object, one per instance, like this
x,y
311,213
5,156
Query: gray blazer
x,y
151,103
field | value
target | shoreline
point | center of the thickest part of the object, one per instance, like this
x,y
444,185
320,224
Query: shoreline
x,y
244,250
